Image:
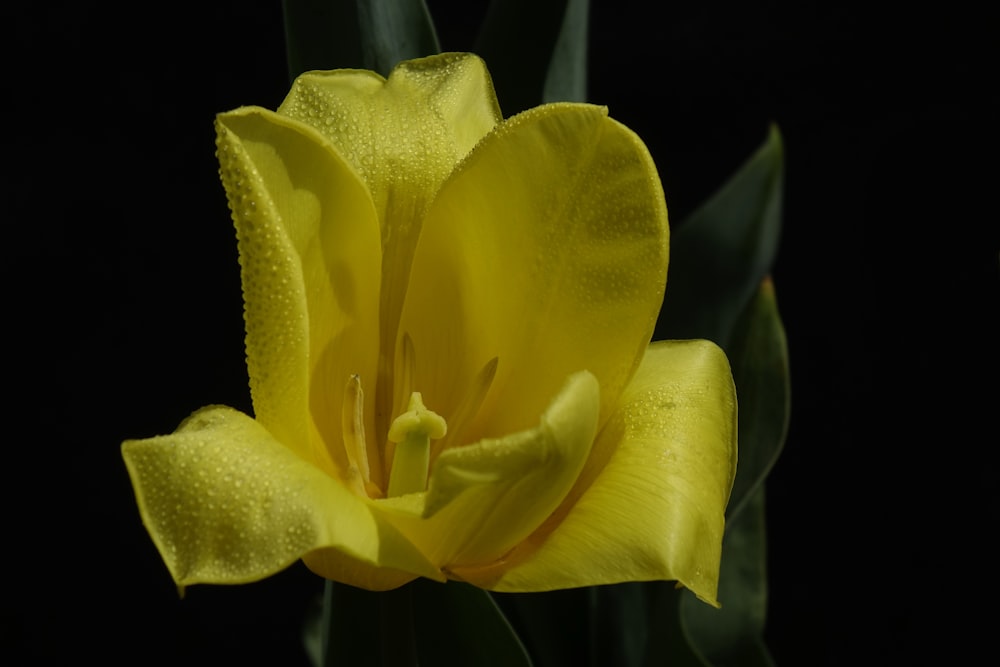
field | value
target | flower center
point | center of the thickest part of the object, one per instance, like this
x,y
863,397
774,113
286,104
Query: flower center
x,y
412,432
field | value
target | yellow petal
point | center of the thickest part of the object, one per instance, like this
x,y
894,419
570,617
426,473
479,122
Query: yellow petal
x,y
486,497
226,503
650,504
404,135
310,253
547,249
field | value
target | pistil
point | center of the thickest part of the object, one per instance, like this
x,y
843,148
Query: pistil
x,y
412,432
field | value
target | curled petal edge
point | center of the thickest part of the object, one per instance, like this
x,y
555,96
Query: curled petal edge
x,y
650,504
226,503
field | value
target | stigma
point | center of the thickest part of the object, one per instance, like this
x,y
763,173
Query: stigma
x,y
412,431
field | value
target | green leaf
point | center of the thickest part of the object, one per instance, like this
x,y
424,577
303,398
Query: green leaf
x,y
732,636
582,627
719,255
550,643
718,288
367,34
619,627
669,645
321,34
458,624
395,30
566,79
758,355
423,622
517,40
348,626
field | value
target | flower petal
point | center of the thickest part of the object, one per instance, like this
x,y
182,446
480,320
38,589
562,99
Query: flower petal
x,y
310,252
547,249
404,135
227,503
652,498
486,497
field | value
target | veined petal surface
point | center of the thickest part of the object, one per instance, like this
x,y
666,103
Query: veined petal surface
x,y
650,503
404,135
310,255
227,503
546,249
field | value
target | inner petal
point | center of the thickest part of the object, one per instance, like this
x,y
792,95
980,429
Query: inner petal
x,y
404,135
547,248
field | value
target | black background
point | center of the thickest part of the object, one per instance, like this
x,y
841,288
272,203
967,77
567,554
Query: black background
x,y
123,309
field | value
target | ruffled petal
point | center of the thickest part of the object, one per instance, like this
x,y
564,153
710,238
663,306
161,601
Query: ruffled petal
x,y
485,498
404,135
651,503
226,503
547,250
310,254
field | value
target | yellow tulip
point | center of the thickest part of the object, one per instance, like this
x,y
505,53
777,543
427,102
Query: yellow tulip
x,y
448,321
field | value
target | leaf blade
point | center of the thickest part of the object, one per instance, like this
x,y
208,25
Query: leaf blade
x,y
519,74
359,34
478,631
759,358
566,78
720,254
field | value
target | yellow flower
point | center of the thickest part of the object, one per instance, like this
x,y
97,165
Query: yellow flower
x,y
448,322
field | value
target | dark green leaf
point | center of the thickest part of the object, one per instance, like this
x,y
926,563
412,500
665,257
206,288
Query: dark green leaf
x,y
582,627
759,358
367,34
458,625
349,626
720,254
732,636
395,30
619,627
553,625
718,289
566,79
517,41
321,34
668,644
312,632
435,625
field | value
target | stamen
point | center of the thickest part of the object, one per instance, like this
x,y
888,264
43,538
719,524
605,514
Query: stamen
x,y
402,388
412,431
467,410
353,428
403,380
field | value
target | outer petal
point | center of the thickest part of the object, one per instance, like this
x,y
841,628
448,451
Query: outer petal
x,y
226,503
651,502
486,497
404,135
546,249
310,252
